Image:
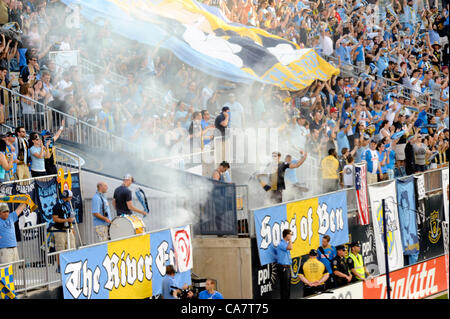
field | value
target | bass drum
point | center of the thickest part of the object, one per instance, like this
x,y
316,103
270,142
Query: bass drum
x,y
126,225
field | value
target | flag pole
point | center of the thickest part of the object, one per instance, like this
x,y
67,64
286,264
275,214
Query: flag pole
x,y
386,253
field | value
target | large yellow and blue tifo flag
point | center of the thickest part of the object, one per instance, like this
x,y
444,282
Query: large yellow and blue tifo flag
x,y
202,37
7,289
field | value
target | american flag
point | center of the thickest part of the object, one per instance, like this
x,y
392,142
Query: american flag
x,y
361,193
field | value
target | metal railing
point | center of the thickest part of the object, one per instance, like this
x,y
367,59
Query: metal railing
x,y
389,85
36,116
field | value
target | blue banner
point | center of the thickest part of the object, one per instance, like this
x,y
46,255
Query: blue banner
x,y
407,215
333,221
131,268
269,224
163,252
47,198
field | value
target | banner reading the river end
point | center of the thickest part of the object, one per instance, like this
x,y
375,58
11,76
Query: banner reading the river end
x,y
131,268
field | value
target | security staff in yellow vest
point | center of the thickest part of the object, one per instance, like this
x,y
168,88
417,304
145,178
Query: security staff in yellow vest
x,y
356,264
313,274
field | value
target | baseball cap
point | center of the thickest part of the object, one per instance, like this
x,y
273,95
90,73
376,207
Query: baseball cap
x,y
346,95
4,207
45,132
128,176
340,247
355,243
366,136
9,134
333,110
67,193
312,252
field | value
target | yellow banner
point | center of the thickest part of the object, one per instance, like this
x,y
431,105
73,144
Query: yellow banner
x,y
131,253
307,223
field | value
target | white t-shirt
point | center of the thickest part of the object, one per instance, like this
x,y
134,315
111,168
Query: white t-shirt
x,y
207,93
62,85
327,45
348,175
237,112
416,87
374,158
95,103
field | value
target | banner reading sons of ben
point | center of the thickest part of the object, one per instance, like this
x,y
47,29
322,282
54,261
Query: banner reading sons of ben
x,y
309,221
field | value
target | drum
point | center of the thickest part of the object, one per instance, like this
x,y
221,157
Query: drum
x,y
126,225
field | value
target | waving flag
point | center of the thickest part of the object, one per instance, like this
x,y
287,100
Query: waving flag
x,y
201,37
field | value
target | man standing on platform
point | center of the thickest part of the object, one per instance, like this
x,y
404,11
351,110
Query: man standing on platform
x,y
122,198
284,262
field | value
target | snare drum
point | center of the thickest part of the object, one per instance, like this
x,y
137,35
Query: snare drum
x,y
126,225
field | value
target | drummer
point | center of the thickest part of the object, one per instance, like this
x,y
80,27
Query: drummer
x,y
123,198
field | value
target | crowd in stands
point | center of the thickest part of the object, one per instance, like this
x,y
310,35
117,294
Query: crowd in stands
x,y
147,95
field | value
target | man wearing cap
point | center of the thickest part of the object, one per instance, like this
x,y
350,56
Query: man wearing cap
x,y
8,242
313,274
341,273
122,198
63,218
355,263
284,262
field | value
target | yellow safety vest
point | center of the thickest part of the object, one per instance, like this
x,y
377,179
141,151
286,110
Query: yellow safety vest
x,y
359,264
313,270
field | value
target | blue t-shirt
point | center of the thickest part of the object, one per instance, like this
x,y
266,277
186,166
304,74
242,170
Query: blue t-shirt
x,y
8,232
381,157
423,116
206,295
342,141
37,164
290,173
360,56
375,117
344,53
167,283
330,252
391,164
283,254
100,205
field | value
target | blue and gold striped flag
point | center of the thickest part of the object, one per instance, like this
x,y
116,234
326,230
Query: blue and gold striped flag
x,y
7,289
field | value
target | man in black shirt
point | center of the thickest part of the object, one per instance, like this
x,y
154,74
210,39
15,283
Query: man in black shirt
x,y
63,219
391,72
122,198
341,273
276,183
221,121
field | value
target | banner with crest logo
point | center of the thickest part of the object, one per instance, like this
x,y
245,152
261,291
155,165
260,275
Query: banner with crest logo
x,y
395,250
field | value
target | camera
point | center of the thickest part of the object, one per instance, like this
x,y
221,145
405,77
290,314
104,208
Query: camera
x,y
183,293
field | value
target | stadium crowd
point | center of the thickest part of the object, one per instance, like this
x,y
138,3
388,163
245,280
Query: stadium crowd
x,y
388,107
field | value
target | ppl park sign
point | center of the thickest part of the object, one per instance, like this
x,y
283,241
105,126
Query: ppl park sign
x,y
309,220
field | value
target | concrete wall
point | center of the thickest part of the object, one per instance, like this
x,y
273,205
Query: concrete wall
x,y
228,260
